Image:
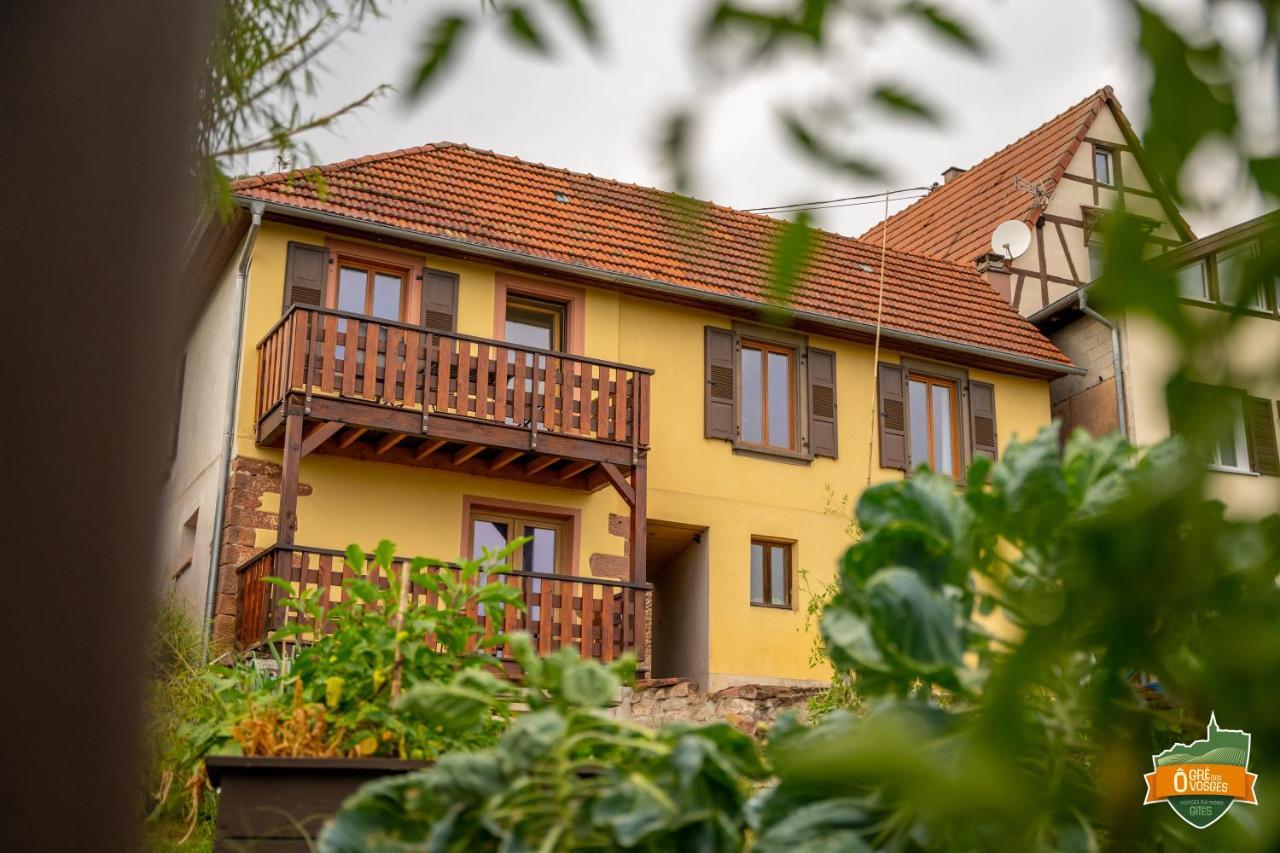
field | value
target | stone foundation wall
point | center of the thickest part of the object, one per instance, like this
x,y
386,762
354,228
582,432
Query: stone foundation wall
x,y
249,524
655,702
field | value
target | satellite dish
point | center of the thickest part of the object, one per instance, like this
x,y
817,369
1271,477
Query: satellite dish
x,y
1011,239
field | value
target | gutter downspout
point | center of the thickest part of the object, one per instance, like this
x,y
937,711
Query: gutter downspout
x,y
1117,361
257,208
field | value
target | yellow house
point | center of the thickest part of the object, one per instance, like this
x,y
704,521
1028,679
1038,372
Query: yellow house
x,y
1053,184
452,349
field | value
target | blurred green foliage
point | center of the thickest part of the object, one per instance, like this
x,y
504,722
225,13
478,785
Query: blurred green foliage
x,y
565,776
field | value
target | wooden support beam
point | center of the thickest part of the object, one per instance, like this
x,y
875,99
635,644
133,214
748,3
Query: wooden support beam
x,y
319,435
431,445
639,522
574,469
467,452
351,437
389,442
504,459
289,479
540,463
619,482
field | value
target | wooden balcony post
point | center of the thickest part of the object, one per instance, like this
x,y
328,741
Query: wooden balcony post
x,y
288,525
639,521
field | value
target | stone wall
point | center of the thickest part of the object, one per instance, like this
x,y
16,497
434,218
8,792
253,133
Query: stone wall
x,y
657,701
1087,401
250,523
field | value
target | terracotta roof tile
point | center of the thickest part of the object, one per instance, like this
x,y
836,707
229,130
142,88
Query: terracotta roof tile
x,y
456,192
955,221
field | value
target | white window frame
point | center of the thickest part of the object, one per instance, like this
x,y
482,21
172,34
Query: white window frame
x,y
1240,436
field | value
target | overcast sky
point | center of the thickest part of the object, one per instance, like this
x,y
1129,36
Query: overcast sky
x,y
602,114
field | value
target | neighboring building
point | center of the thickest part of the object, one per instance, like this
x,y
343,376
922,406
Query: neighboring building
x,y
1059,179
451,348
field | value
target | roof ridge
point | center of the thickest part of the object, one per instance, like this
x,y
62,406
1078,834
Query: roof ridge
x,y
1101,95
762,217
250,181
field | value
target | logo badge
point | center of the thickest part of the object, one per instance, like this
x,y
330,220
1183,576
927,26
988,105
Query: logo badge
x,y
1201,781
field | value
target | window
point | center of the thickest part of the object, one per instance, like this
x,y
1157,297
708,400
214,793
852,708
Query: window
x,y
535,322
768,392
373,292
544,552
1102,166
1096,254
1233,267
768,395
934,431
1192,281
770,573
1230,447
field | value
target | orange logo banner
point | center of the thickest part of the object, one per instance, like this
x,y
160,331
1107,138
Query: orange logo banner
x,y
1192,780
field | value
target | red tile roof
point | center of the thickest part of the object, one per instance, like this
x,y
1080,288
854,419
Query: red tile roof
x,y
955,221
484,199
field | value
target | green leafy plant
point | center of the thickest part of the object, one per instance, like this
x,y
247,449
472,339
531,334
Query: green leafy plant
x,y
565,776
346,665
996,631
359,654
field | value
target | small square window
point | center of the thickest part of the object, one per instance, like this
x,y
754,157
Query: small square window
x,y
770,573
1102,166
1192,281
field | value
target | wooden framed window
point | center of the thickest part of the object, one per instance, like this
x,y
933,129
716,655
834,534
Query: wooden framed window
x,y
768,412
535,322
770,573
934,423
1103,165
373,291
545,551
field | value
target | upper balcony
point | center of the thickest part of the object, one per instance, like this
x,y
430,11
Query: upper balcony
x,y
392,392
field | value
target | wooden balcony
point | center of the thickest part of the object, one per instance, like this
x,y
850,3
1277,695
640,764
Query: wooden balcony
x,y
599,618
391,392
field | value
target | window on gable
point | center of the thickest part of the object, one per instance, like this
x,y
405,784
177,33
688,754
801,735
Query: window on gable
x,y
1193,281
1102,166
934,423
1234,274
770,573
768,395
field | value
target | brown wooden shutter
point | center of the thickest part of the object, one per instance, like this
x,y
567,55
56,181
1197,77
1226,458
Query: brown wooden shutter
x,y
982,419
720,417
305,270
822,402
892,405
1264,455
439,300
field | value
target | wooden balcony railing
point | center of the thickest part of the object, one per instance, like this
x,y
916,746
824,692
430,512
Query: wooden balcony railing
x,y
349,356
600,618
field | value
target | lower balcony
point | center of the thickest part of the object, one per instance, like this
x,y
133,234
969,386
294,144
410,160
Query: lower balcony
x,y
599,618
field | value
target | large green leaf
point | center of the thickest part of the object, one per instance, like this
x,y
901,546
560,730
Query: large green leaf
x,y
589,685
